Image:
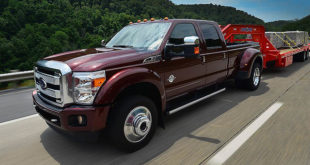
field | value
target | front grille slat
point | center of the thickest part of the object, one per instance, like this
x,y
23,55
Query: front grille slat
x,y
49,92
51,86
48,78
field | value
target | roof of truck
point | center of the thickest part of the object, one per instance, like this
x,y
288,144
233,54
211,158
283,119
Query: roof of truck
x,y
173,21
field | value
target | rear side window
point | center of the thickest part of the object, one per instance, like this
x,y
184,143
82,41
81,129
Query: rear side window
x,y
211,36
180,31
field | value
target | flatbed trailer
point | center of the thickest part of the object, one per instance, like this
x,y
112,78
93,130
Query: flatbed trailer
x,y
282,57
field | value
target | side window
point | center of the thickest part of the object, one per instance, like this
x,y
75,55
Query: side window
x,y
180,31
210,35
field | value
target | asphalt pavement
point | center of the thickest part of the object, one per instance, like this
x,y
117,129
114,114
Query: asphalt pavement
x,y
192,136
15,104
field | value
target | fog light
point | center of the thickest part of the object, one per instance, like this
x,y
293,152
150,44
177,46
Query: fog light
x,y
77,120
80,119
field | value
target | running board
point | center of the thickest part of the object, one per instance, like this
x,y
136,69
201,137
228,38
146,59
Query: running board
x,y
195,101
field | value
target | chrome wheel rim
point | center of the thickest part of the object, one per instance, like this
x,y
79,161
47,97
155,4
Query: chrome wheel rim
x,y
256,76
137,124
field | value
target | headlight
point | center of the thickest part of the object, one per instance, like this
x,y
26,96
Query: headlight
x,y
86,86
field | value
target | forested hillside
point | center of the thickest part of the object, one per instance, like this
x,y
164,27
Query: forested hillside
x,y
33,29
301,25
222,15
276,25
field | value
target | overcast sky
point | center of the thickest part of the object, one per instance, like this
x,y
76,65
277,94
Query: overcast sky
x,y
267,10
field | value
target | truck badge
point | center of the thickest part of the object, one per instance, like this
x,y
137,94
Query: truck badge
x,y
171,78
42,83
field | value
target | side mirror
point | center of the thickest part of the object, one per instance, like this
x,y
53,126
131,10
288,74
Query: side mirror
x,y
192,40
188,49
103,43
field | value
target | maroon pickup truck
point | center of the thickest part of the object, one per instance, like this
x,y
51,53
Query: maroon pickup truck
x,y
147,71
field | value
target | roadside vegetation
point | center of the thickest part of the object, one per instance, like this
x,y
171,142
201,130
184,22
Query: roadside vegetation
x,y
17,84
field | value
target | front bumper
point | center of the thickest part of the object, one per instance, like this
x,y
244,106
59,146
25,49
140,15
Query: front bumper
x,y
96,117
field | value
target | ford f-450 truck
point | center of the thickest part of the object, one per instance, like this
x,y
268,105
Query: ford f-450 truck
x,y
147,71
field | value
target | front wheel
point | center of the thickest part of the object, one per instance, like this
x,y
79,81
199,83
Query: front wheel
x,y
253,82
133,123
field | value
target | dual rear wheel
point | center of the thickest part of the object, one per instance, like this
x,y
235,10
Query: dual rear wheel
x,y
303,56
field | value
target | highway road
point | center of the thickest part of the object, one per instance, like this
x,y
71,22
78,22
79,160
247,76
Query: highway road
x,y
234,127
16,104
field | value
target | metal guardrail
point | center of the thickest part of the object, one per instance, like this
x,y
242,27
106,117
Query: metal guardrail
x,y
8,77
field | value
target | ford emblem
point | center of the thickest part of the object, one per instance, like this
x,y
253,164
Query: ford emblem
x,y
42,83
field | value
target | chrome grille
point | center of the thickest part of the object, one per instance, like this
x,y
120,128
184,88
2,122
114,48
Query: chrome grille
x,y
52,82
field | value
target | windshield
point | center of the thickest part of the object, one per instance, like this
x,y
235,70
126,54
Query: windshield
x,y
147,36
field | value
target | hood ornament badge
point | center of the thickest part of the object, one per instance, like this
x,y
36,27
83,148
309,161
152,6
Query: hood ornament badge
x,y
171,78
42,83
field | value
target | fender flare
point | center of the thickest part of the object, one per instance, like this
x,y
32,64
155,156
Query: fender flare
x,y
125,78
247,60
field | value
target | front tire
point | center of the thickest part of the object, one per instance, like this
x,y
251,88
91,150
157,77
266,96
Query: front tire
x,y
253,82
133,123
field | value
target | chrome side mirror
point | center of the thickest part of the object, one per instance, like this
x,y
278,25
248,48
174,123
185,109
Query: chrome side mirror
x,y
190,48
102,43
191,40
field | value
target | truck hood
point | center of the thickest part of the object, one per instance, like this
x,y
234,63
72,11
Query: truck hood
x,y
87,60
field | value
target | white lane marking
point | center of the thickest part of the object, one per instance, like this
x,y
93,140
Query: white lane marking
x,y
19,119
13,93
227,151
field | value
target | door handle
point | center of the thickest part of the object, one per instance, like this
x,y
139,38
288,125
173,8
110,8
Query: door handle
x,y
202,58
225,55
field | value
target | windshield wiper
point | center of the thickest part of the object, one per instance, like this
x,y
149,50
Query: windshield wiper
x,y
123,46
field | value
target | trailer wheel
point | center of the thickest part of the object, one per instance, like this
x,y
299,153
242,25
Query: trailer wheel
x,y
133,123
253,82
307,55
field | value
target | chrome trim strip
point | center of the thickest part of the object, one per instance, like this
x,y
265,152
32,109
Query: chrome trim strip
x,y
62,67
48,78
44,103
49,92
195,101
46,100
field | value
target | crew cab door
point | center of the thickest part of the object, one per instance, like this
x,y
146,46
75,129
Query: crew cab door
x,y
213,53
183,74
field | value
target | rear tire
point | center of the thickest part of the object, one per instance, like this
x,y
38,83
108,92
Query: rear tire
x,y
132,123
303,56
253,82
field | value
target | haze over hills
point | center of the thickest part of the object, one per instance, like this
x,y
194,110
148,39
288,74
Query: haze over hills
x,y
33,29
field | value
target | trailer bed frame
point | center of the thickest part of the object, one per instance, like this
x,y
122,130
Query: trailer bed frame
x,y
278,57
